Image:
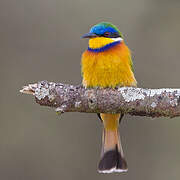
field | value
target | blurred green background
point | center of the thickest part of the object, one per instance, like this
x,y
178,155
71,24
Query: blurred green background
x,y
40,40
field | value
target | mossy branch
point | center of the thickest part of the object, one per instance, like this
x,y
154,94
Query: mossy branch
x,y
129,100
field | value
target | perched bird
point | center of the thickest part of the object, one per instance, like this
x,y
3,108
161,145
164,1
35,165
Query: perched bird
x,y
107,63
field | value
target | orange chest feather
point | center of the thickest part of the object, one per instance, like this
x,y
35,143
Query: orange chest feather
x,y
110,68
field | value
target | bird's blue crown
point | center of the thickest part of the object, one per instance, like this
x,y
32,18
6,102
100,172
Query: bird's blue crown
x,y
104,27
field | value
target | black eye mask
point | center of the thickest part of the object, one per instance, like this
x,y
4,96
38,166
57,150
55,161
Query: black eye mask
x,y
110,35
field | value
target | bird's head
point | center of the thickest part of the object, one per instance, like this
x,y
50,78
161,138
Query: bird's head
x,y
102,34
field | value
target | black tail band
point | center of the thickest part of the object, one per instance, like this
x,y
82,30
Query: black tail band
x,y
112,161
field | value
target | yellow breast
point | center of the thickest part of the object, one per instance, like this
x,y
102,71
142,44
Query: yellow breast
x,y
110,68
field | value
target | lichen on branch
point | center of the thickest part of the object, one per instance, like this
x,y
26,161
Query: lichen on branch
x,y
129,100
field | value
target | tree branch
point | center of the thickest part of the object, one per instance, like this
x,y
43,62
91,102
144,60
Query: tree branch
x,y
134,101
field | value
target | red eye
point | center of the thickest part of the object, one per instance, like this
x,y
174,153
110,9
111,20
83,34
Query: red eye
x,y
106,34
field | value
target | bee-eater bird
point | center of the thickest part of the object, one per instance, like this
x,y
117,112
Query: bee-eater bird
x,y
107,63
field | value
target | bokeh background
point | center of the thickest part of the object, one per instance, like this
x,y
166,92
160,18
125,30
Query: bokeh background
x,y
40,40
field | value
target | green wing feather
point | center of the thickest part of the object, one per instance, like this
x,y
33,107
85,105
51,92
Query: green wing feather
x,y
131,64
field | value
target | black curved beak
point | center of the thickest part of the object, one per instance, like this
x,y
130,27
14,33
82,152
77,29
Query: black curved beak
x,y
89,35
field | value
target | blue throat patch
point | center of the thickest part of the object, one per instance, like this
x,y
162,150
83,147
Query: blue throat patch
x,y
104,48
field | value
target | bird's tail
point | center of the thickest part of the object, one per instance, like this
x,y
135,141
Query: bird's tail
x,y
112,158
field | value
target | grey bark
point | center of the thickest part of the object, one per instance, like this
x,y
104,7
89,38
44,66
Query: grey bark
x,y
129,100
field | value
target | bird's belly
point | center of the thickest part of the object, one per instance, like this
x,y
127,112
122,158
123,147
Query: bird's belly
x,y
106,71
